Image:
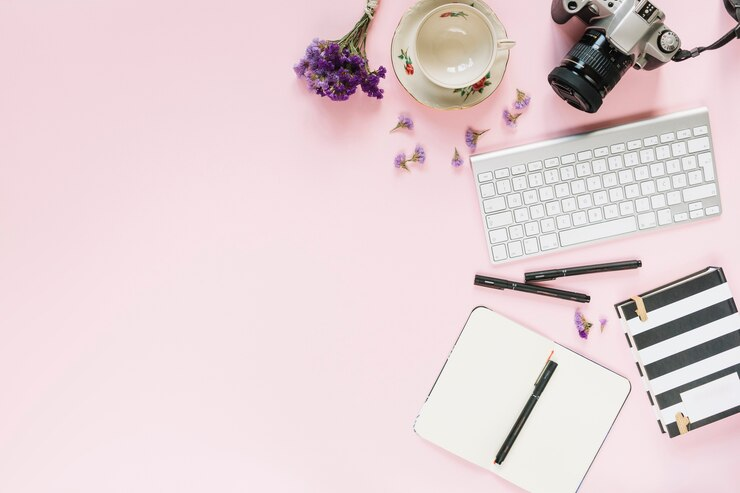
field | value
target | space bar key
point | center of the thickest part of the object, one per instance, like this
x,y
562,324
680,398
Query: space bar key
x,y
598,231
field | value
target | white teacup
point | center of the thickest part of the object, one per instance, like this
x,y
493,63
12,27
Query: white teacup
x,y
456,45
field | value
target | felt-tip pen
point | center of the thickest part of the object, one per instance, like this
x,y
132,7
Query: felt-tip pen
x,y
548,275
492,282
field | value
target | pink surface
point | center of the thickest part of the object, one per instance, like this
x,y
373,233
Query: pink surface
x,y
211,280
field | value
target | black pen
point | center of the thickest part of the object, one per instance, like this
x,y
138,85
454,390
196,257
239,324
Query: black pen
x,y
492,282
539,386
548,275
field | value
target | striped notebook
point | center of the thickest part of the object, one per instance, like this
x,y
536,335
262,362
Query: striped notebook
x,y
687,349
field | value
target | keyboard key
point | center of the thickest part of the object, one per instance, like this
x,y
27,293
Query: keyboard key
x,y
696,214
689,163
601,197
631,159
599,166
595,215
611,211
553,208
598,231
642,173
695,177
537,211
662,152
501,219
578,186
616,194
634,144
579,218
698,145
615,163
561,190
549,241
593,183
531,246
519,182
563,221
695,206
567,173
673,166
584,201
710,211
657,201
516,232
706,164
521,215
499,252
494,205
663,184
678,149
585,155
534,166
657,169
674,197
498,235
536,180
618,148
483,177
515,249
610,180
626,208
546,193
532,228
702,130
530,197
647,156
681,216
487,190
569,204
501,173
552,162
551,176
647,220
650,141
547,225
503,187
519,169
568,159
514,200
601,152
664,217
669,137
700,192
642,204
679,181
625,176
683,134
632,191
583,169
647,187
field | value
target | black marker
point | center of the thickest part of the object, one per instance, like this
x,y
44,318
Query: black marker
x,y
539,386
548,275
492,282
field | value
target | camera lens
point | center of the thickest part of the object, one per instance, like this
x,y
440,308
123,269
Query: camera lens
x,y
589,71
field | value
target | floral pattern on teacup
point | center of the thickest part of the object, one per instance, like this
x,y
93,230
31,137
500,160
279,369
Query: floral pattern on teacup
x,y
478,87
408,65
464,15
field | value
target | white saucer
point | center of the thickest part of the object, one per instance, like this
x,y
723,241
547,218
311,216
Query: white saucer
x,y
424,90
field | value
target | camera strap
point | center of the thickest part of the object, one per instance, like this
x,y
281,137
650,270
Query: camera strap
x,y
682,55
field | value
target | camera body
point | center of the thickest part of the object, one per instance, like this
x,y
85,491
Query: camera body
x,y
620,34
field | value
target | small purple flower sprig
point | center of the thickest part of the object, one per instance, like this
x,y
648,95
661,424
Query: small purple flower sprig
x,y
602,323
472,136
335,69
404,121
520,104
456,159
583,325
419,156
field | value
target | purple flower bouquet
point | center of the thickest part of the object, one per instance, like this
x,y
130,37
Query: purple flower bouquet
x,y
336,68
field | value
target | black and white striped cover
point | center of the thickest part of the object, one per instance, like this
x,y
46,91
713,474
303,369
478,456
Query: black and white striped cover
x,y
689,342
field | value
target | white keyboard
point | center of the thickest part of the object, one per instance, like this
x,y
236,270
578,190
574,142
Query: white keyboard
x,y
561,193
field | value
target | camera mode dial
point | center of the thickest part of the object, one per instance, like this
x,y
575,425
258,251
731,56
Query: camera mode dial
x,y
668,42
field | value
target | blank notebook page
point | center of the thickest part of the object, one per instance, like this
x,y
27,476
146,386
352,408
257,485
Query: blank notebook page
x,y
483,387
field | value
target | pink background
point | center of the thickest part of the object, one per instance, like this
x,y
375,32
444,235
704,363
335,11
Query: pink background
x,y
211,280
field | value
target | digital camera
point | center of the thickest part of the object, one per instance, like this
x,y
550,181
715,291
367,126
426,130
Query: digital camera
x,y
620,34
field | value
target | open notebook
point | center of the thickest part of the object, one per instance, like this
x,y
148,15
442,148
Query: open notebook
x,y
483,386
687,350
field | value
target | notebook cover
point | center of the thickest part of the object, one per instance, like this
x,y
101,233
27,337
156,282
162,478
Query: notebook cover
x,y
688,352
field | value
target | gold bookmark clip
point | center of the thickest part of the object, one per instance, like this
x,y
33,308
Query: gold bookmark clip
x,y
683,423
640,309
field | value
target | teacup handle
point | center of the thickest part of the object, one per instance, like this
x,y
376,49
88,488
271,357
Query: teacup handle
x,y
505,44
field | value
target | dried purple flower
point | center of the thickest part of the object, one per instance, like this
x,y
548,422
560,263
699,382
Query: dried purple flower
x,y
403,122
400,161
583,325
419,155
336,68
472,136
522,100
511,118
456,159
602,322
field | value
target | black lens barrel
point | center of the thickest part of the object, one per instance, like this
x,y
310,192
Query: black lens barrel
x,y
589,71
